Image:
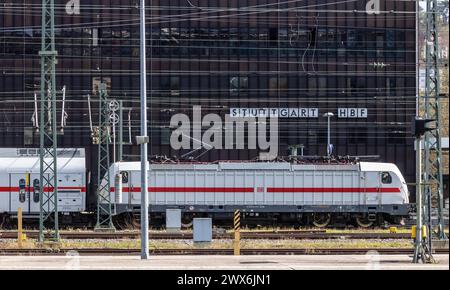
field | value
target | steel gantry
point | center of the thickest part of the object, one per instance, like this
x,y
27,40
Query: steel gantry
x,y
104,204
48,128
433,182
429,187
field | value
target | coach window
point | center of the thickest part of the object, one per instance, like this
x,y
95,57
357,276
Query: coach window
x,y
386,178
124,176
22,190
36,190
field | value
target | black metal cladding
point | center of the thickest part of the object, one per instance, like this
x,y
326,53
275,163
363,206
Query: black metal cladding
x,y
317,54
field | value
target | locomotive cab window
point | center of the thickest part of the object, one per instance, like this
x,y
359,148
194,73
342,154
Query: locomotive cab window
x,y
386,178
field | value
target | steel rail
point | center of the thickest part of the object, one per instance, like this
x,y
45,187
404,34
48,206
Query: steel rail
x,y
192,251
294,235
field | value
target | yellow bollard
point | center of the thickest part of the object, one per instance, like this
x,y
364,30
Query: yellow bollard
x,y
393,230
237,233
19,227
414,232
424,232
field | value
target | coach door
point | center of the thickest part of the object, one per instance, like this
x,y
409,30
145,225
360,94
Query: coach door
x,y
34,193
126,190
371,184
385,186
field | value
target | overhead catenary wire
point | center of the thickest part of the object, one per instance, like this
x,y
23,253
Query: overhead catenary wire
x,y
193,17
306,9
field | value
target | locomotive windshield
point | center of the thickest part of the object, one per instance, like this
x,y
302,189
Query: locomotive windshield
x,y
124,176
386,178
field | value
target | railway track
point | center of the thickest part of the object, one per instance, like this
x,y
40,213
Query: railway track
x,y
191,251
297,235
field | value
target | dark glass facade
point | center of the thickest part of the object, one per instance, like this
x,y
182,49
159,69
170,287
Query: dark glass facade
x,y
283,54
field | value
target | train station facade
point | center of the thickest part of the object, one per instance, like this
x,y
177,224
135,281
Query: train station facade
x,y
354,59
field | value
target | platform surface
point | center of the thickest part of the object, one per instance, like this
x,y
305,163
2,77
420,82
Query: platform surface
x,y
364,262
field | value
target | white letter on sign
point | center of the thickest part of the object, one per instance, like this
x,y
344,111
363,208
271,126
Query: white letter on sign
x,y
73,7
363,113
373,7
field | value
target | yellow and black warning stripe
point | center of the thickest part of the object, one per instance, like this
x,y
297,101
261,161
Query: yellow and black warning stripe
x,y
237,220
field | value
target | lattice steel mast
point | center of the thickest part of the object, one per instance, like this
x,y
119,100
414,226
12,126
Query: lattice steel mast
x,y
433,182
104,205
47,127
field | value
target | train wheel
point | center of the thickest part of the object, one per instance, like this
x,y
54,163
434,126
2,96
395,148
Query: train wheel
x,y
187,222
131,221
364,222
321,220
4,221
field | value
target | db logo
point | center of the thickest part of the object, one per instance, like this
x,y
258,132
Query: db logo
x,y
260,189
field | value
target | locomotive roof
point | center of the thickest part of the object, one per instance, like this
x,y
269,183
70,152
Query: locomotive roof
x,y
363,166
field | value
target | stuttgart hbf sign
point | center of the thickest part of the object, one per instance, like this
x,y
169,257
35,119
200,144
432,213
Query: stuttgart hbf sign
x,y
295,113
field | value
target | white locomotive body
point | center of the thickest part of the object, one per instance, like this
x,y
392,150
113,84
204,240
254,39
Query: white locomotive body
x,y
20,182
284,191
363,188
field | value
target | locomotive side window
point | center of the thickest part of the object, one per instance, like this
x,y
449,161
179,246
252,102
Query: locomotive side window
x,y
386,178
36,190
22,190
124,176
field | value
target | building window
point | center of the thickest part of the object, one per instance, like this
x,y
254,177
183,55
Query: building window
x,y
273,36
312,86
96,84
171,85
276,85
165,136
351,38
238,85
396,136
29,136
312,137
390,39
357,135
380,40
322,86
390,86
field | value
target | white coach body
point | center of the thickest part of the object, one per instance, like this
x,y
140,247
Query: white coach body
x,y
19,180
